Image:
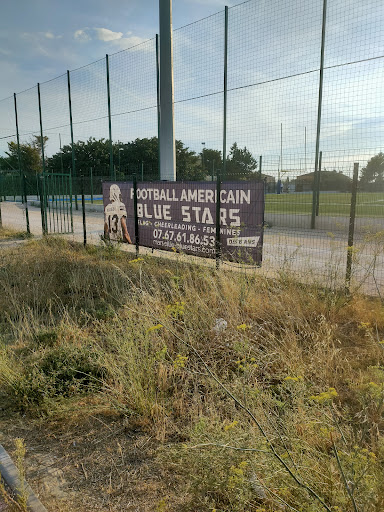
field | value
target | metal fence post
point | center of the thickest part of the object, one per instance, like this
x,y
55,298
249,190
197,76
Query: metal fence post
x,y
112,170
18,141
83,209
91,185
158,103
351,231
42,206
73,173
318,185
313,216
260,165
218,206
225,92
26,204
41,129
137,241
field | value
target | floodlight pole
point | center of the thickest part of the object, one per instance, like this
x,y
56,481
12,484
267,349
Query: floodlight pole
x,y
167,133
319,106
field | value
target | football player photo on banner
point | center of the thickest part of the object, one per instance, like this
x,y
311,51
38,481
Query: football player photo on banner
x,y
181,216
115,217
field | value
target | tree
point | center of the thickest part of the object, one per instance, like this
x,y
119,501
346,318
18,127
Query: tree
x,y
211,161
188,165
329,181
240,164
96,154
29,155
92,153
373,174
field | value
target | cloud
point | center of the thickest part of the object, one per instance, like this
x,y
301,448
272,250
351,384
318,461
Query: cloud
x,y
127,42
49,35
118,39
104,34
82,35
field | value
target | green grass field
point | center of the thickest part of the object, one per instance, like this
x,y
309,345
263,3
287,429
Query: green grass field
x,y
369,204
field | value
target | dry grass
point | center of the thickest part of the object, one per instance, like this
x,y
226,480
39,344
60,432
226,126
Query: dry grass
x,y
12,234
118,365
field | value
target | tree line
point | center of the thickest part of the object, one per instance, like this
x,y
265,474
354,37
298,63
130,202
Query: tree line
x,y
93,155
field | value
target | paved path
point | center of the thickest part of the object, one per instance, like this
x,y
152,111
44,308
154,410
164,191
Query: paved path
x,y
310,253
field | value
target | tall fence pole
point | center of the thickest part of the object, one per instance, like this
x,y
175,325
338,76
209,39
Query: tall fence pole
x,y
26,204
72,144
42,205
112,172
137,241
61,155
318,184
260,165
167,129
18,142
83,210
225,93
158,103
319,106
351,231
41,129
218,206
91,185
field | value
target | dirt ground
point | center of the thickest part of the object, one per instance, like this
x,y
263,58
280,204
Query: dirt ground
x,y
102,462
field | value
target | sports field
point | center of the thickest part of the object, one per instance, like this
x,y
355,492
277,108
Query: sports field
x,y
369,204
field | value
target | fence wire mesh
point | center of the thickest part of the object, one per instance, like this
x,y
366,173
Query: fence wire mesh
x,y
272,126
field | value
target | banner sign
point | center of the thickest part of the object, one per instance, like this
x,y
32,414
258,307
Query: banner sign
x,y
181,216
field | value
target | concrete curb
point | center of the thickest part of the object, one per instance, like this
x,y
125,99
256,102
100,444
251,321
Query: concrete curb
x,y
10,475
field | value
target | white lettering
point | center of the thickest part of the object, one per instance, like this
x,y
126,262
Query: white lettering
x,y
185,213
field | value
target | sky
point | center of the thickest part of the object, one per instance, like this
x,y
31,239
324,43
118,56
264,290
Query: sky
x,y
41,39
273,75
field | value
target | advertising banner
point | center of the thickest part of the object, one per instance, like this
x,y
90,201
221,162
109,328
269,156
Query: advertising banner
x,y
181,216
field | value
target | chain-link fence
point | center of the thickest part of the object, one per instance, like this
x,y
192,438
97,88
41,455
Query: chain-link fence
x,y
284,92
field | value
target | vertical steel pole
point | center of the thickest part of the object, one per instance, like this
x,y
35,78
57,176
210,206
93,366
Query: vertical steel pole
x,y
142,171
61,155
73,174
260,165
83,209
167,132
218,206
351,231
112,172
225,93
41,129
318,185
313,216
280,168
137,242
305,149
18,144
91,185
43,206
158,103
26,204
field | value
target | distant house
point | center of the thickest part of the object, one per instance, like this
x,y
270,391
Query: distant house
x,y
270,183
330,181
